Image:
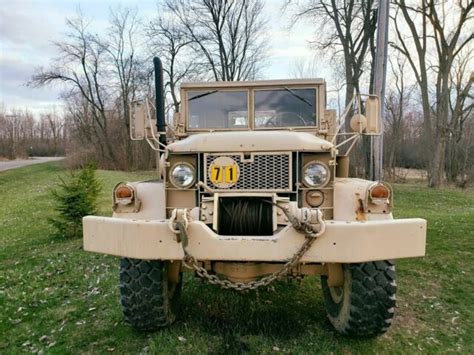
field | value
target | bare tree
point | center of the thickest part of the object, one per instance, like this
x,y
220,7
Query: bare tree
x,y
81,65
466,152
168,38
21,135
119,46
429,29
229,35
102,74
304,68
397,100
10,125
344,28
461,110
336,85
55,128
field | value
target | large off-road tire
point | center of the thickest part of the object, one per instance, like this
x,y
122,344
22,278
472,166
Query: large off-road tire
x,y
147,297
364,305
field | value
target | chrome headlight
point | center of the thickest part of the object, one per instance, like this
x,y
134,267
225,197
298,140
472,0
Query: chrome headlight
x,y
182,175
316,174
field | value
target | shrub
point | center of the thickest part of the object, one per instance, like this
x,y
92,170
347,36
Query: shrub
x,y
75,198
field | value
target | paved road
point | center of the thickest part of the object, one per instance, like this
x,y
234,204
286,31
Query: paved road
x,y
13,164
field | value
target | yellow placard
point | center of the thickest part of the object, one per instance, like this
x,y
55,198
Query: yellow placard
x,y
224,172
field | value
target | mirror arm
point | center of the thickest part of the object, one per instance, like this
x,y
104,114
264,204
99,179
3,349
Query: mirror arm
x,y
354,137
342,118
150,122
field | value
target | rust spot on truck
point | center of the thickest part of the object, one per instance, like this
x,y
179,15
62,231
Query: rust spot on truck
x,y
360,212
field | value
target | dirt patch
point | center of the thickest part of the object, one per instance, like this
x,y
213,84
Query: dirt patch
x,y
406,315
406,318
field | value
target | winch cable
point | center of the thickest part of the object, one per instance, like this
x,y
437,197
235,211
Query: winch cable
x,y
245,217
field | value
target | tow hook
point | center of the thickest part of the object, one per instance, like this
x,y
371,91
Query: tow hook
x,y
178,223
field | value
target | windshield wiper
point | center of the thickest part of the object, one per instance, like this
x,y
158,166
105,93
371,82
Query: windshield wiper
x,y
298,96
202,95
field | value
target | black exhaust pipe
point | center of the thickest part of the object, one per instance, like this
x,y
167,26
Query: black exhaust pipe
x,y
160,100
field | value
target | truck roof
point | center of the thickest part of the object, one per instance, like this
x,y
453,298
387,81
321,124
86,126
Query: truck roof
x,y
256,83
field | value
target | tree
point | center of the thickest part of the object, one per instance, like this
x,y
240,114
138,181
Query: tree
x,y
347,28
75,198
102,74
430,30
82,66
228,35
303,68
55,127
21,135
397,100
167,36
119,46
461,110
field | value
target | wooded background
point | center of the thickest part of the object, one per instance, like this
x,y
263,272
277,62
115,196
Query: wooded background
x,y
429,96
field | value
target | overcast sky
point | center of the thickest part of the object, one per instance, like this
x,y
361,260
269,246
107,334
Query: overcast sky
x,y
28,28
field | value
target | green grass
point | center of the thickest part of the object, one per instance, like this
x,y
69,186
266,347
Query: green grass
x,y
59,299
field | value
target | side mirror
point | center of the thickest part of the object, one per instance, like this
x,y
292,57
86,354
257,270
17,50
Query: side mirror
x,y
141,124
138,118
368,123
372,113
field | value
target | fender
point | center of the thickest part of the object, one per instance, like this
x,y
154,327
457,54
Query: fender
x,y
151,196
351,201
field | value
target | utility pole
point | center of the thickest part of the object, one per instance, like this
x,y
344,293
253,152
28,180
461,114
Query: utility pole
x,y
380,73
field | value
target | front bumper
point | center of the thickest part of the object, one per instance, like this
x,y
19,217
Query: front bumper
x,y
342,242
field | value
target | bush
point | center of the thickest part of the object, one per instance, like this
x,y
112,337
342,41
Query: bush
x,y
75,198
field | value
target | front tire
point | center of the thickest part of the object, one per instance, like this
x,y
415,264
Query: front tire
x,y
147,297
365,304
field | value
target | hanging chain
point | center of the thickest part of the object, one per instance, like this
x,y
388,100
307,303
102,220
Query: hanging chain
x,y
301,226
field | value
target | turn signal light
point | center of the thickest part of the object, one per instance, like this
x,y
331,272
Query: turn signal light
x,y
124,191
125,198
380,191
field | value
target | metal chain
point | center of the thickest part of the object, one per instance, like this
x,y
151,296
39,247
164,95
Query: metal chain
x,y
303,227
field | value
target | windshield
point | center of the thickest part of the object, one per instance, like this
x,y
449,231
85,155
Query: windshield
x,y
285,108
273,108
217,109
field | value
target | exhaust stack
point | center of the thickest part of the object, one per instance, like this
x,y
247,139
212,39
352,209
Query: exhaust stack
x,y
160,100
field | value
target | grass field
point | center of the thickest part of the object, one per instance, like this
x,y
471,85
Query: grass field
x,y
56,298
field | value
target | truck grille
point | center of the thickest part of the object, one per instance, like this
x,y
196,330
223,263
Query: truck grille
x,y
258,171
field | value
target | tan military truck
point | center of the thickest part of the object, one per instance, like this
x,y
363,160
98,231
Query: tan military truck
x,y
253,187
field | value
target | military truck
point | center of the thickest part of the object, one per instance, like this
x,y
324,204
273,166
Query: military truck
x,y
253,187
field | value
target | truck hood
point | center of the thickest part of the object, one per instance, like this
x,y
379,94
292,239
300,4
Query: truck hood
x,y
264,141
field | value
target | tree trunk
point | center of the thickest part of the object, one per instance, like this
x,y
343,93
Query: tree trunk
x,y
437,166
350,87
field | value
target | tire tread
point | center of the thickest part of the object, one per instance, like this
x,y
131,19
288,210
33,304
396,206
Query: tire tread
x,y
143,294
373,298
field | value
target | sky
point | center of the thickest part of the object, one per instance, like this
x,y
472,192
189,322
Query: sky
x,y
29,28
